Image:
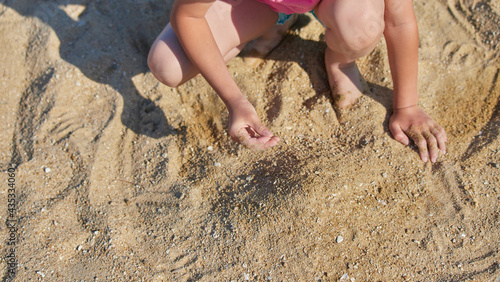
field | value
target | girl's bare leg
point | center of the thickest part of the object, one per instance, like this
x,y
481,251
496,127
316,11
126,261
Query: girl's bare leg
x,y
233,23
260,47
354,28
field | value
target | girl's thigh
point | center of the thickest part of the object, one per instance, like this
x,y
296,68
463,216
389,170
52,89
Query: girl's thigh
x,y
236,22
233,23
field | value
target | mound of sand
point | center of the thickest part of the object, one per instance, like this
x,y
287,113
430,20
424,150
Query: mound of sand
x,y
119,177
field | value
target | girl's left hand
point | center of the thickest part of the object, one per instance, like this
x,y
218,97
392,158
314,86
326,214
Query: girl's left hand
x,y
414,123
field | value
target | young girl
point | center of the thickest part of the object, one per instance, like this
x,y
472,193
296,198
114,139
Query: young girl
x,y
204,34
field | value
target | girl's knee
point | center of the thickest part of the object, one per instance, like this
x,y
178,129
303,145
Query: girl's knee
x,y
168,61
353,26
164,68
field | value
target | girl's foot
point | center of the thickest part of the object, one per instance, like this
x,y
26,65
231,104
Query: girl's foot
x,y
263,45
346,83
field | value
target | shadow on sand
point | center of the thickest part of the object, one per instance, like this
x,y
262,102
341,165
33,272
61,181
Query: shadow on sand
x,y
109,43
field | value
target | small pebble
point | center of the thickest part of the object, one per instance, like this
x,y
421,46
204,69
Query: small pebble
x,y
40,273
79,247
217,164
382,202
344,278
47,169
340,239
210,148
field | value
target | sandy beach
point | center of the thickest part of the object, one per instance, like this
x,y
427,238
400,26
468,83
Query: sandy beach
x,y
109,175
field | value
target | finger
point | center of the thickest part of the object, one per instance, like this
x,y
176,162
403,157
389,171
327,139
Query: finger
x,y
440,135
273,141
235,138
239,136
422,148
265,137
432,145
261,143
399,135
245,138
256,142
415,134
262,130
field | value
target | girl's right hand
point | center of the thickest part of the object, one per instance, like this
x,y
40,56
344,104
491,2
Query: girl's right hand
x,y
246,128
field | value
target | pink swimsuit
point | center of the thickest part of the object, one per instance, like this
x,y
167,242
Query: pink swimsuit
x,y
291,6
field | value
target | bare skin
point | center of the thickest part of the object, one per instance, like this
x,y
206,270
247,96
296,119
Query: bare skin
x,y
345,82
351,34
409,121
204,34
429,137
222,30
263,45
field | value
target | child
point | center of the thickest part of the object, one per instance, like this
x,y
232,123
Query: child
x,y
204,34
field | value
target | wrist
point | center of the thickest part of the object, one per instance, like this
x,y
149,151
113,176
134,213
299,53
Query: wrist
x,y
404,100
236,102
233,99
400,108
405,96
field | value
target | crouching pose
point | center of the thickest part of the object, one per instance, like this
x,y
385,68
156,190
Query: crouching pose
x,y
204,34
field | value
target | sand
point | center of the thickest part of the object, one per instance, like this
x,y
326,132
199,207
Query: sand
x,y
119,177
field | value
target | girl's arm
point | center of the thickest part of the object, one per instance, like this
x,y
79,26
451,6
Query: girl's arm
x,y
191,27
408,120
189,23
401,34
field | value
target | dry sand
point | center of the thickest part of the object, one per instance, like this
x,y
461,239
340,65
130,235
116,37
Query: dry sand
x,y
119,177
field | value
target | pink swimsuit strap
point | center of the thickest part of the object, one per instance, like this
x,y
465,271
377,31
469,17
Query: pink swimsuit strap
x,y
291,6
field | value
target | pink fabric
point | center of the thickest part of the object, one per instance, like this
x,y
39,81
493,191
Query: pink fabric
x,y
291,6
